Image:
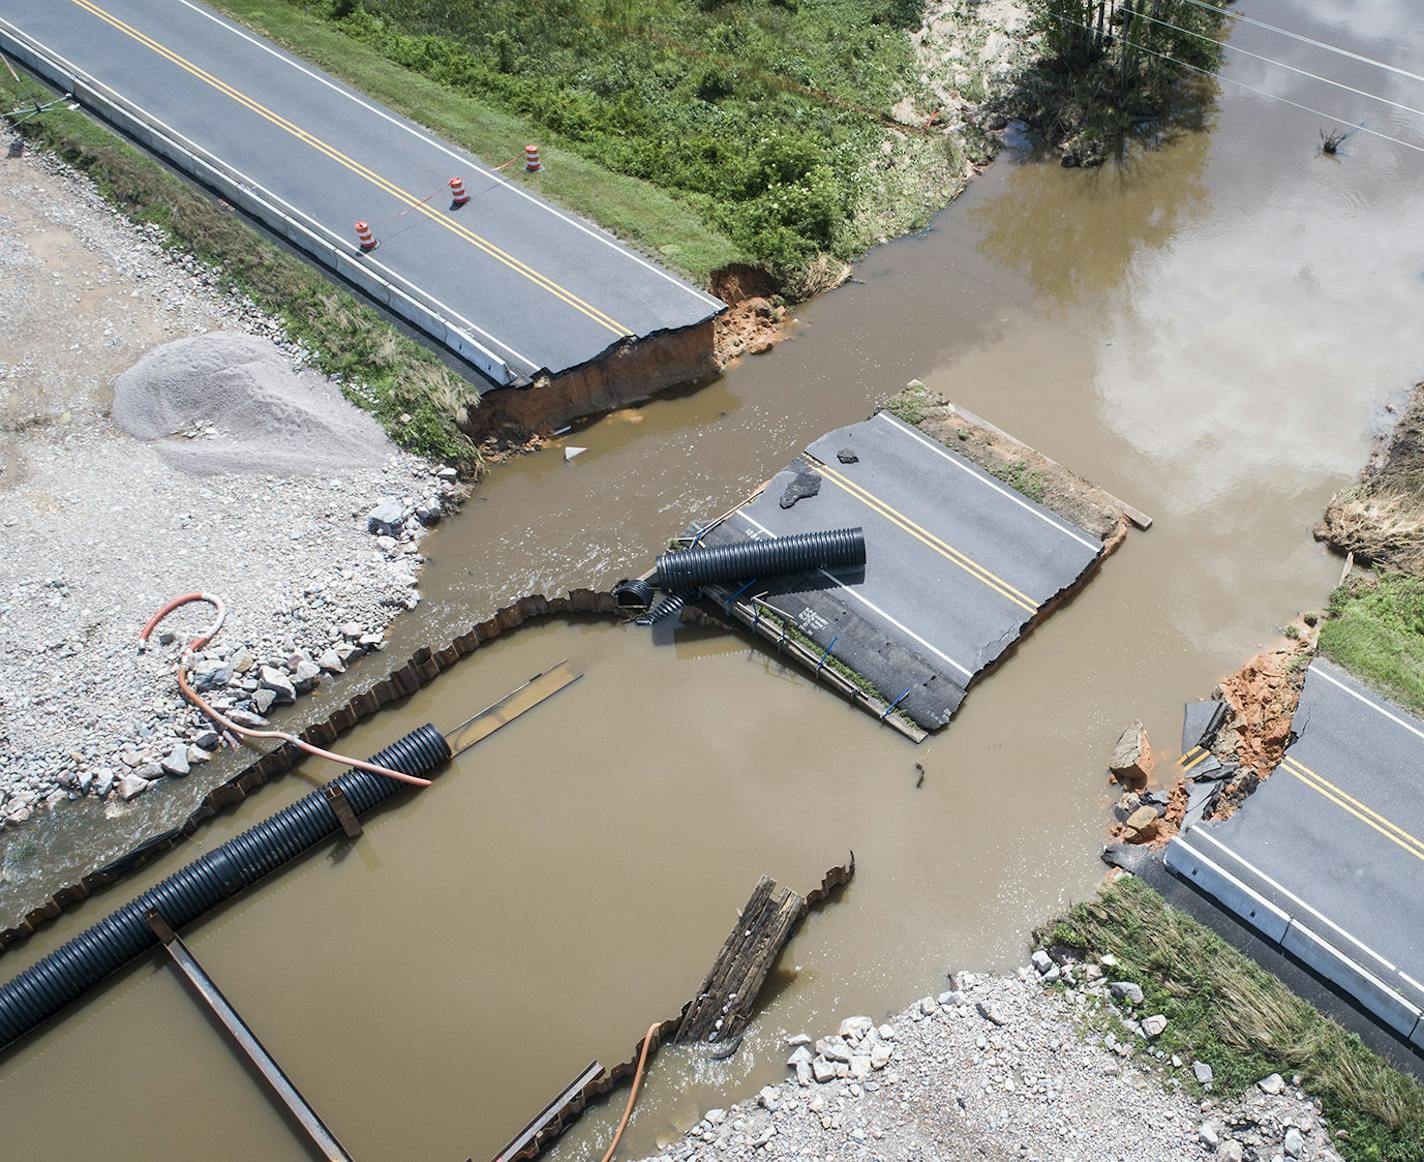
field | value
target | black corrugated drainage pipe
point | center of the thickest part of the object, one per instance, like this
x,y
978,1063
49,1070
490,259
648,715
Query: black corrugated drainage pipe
x,y
634,594
799,553
68,973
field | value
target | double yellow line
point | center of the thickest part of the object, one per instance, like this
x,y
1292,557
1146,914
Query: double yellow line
x,y
924,536
1347,802
1194,756
543,282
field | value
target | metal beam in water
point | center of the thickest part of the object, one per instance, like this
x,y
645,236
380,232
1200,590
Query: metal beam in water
x,y
207,991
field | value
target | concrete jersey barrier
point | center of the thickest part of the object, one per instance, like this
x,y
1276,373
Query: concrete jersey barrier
x,y
1292,935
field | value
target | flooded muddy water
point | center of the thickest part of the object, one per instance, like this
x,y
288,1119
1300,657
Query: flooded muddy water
x,y
1210,330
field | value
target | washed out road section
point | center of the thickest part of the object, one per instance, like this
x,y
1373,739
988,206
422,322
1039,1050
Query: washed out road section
x,y
1334,839
957,562
541,289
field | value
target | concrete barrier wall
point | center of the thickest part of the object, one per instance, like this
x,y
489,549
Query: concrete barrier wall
x,y
1291,935
1257,911
390,290
1364,986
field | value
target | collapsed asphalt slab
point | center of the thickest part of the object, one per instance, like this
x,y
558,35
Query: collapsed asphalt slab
x,y
1325,859
959,564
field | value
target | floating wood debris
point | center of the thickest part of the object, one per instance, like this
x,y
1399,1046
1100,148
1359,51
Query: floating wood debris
x,y
723,1005
765,924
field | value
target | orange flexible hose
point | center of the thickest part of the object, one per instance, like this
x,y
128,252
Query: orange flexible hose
x,y
228,727
633,1093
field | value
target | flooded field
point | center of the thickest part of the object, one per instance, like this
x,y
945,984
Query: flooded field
x,y
1211,330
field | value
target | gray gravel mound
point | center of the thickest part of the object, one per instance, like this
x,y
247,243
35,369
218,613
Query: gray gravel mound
x,y
231,403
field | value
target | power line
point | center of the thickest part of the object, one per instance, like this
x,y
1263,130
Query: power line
x,y
1335,48
1283,64
1253,89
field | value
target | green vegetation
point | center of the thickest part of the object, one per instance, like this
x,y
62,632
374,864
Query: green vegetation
x,y
631,208
1224,1009
1026,480
417,398
913,404
1108,69
709,131
1376,631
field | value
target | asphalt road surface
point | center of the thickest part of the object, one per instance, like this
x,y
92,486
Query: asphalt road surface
x,y
1335,836
957,563
541,288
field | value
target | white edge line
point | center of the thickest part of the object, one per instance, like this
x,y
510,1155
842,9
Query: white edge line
x,y
870,604
464,159
230,170
1018,500
1360,944
1373,705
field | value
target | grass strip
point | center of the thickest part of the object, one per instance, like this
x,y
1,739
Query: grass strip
x,y
416,397
635,210
1375,629
1224,1009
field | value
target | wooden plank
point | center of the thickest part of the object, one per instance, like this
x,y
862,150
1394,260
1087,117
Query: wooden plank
x,y
723,1004
765,914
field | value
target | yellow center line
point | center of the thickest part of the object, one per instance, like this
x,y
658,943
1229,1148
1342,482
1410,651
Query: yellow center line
x,y
1201,758
942,547
1343,799
542,281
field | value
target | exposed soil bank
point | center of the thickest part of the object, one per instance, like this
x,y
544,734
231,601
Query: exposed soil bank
x,y
629,373
1021,467
1381,519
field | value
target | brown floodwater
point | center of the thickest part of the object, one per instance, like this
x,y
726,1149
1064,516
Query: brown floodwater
x,y
1211,330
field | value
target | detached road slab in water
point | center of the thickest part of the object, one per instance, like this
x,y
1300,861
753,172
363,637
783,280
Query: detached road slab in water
x,y
1326,858
959,564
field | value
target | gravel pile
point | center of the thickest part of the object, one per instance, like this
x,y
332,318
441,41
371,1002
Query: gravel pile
x,y
225,402
100,528
1054,1064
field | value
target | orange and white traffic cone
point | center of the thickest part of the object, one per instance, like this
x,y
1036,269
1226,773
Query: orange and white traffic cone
x,y
364,236
532,164
458,195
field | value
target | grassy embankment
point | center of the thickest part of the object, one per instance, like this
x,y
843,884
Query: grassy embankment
x,y
1223,1009
1375,629
416,397
705,131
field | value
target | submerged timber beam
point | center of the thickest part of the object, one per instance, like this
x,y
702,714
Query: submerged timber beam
x,y
207,992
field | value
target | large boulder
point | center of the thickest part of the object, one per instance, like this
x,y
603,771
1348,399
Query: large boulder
x,y
1132,761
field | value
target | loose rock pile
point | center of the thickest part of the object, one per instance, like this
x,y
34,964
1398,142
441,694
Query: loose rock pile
x,y
115,724
1004,1068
